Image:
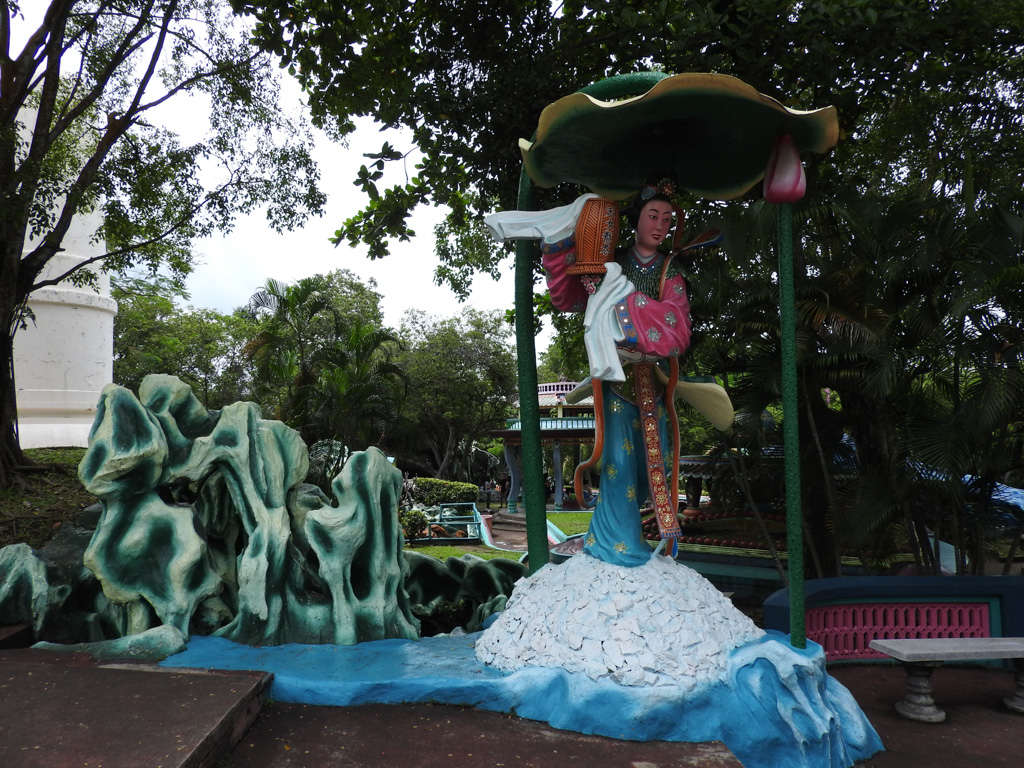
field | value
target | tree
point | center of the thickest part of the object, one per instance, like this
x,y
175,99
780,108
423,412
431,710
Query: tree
x,y
906,323
322,365
144,333
78,133
358,400
301,320
938,95
566,356
461,379
354,300
931,108
297,325
200,346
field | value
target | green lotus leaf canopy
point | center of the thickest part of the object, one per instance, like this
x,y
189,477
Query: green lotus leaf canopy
x,y
714,132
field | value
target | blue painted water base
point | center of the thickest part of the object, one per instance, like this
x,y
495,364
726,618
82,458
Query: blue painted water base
x,y
778,706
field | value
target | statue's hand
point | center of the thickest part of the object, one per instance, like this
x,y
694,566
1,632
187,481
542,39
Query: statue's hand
x,y
630,355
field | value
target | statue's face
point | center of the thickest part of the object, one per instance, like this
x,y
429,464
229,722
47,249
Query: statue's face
x,y
653,227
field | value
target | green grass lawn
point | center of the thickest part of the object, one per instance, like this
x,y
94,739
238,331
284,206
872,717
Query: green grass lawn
x,y
571,523
444,552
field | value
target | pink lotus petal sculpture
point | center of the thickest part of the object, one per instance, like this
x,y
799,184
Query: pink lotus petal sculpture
x,y
784,180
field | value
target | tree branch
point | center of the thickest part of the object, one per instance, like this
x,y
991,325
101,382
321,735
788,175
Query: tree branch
x,y
15,74
182,221
154,58
83,38
130,43
189,82
116,128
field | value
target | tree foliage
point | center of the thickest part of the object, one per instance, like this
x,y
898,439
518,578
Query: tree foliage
x,y
321,363
468,79
359,401
79,112
461,375
908,245
908,343
203,348
930,125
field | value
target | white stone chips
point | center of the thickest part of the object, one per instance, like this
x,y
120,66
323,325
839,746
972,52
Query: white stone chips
x,y
659,624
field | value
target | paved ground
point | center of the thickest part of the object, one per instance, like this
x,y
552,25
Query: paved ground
x,y
436,736
979,732
61,710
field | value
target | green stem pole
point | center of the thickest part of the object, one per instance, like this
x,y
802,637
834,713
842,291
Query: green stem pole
x,y
791,428
534,496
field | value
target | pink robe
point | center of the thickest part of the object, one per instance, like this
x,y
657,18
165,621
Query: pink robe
x,y
661,326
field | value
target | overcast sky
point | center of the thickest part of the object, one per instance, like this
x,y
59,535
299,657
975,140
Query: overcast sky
x,y
231,267
235,265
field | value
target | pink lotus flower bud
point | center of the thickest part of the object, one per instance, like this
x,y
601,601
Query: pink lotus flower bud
x,y
784,180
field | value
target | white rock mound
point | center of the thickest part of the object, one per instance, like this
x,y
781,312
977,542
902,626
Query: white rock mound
x,y
657,625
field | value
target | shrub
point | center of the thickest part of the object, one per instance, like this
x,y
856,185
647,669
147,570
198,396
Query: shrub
x,y
430,492
414,524
443,617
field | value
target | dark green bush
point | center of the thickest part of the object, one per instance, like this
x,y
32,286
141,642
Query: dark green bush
x,y
430,492
444,617
414,524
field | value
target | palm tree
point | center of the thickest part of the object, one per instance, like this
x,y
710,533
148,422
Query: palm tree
x,y
290,344
359,393
330,376
908,316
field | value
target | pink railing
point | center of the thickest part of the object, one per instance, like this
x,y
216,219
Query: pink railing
x,y
845,631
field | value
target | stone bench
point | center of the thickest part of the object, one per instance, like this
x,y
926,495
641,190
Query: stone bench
x,y
920,656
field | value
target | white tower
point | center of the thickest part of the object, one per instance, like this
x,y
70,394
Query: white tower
x,y
64,358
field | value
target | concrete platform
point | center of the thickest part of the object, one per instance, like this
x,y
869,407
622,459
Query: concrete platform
x,y
63,709
979,731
